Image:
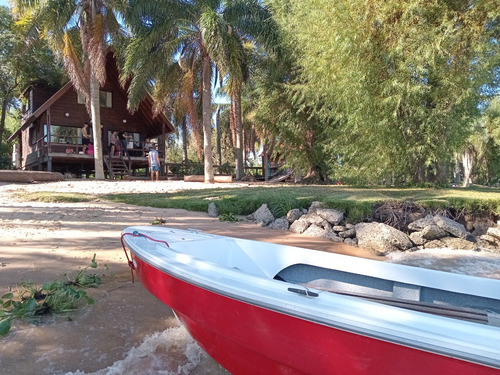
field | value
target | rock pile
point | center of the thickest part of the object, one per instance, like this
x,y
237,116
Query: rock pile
x,y
431,231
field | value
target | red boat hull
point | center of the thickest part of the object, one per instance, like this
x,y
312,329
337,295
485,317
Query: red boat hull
x,y
248,339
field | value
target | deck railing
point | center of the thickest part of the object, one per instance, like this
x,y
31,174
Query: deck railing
x,y
73,145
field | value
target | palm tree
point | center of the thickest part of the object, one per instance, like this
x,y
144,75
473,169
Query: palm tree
x,y
201,33
79,30
250,26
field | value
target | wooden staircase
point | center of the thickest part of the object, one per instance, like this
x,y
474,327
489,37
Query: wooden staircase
x,y
116,166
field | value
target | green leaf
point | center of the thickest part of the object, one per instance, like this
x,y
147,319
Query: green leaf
x,y
8,296
4,327
89,300
30,305
93,263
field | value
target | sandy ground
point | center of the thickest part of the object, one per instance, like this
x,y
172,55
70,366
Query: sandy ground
x,y
42,242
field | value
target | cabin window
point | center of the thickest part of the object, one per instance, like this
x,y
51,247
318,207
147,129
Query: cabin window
x,y
65,134
30,103
105,99
32,134
80,98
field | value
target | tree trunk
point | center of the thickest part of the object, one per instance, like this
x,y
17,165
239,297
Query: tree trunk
x,y
195,124
238,147
184,139
217,127
206,99
457,171
467,160
265,162
2,119
442,173
96,127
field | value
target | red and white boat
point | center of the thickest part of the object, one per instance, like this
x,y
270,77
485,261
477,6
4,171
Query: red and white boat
x,y
262,308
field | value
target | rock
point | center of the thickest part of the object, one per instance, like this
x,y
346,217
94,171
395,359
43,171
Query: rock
x,y
381,238
450,226
339,228
212,210
280,223
263,214
331,215
250,217
490,239
453,243
317,231
351,242
488,243
420,224
299,226
332,236
349,226
436,244
433,232
293,215
458,243
315,219
471,238
314,206
350,233
494,232
417,238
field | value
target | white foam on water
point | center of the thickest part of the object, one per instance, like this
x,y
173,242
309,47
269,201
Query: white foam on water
x,y
468,262
171,352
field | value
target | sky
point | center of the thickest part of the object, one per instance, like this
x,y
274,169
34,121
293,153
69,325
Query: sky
x,y
4,2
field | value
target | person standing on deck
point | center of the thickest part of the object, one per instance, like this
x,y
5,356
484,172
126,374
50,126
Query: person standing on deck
x,y
154,163
86,136
122,138
147,146
113,140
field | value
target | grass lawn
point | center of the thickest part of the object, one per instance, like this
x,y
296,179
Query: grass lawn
x,y
356,203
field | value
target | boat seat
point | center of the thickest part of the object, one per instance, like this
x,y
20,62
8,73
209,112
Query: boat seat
x,y
456,312
394,293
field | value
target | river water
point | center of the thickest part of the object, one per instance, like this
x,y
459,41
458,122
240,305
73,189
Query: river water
x,y
169,352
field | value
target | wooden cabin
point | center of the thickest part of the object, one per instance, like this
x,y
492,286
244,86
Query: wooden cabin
x,y
50,135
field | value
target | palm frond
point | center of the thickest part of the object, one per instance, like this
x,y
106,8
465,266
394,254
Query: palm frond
x,y
74,68
97,49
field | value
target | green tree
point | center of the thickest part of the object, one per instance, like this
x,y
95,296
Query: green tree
x,y
21,61
162,30
485,144
249,24
80,32
397,82
283,122
199,34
